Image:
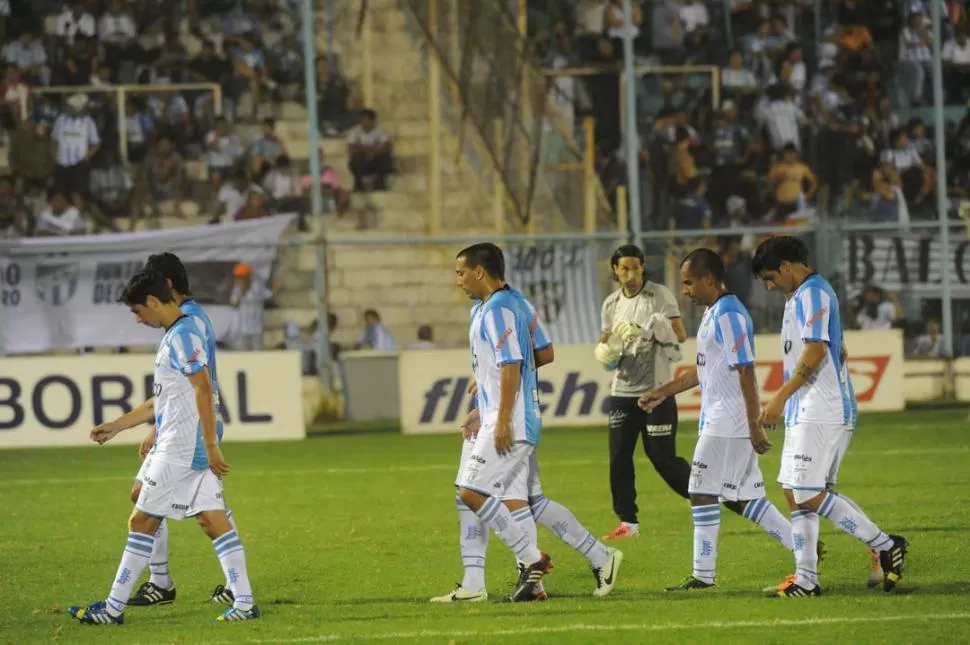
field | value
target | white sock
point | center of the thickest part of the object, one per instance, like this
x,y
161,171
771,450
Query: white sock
x,y
158,562
804,530
232,557
232,523
473,541
134,559
850,518
707,522
767,516
561,521
498,518
523,517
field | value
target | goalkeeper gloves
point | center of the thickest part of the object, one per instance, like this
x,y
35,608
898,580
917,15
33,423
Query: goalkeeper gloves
x,y
608,355
627,331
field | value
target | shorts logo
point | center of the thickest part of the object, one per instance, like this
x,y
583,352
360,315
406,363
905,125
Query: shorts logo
x,y
150,482
699,465
804,458
660,430
729,486
180,507
701,360
787,346
480,460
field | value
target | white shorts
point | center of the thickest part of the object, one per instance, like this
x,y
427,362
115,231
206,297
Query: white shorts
x,y
177,492
811,455
525,486
833,475
488,473
727,468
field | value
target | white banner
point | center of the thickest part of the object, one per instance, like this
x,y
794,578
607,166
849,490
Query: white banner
x,y
56,400
69,299
574,390
906,262
560,280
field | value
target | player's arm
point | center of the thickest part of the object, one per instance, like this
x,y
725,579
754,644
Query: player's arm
x,y
501,330
545,355
735,336
808,362
686,381
205,404
144,413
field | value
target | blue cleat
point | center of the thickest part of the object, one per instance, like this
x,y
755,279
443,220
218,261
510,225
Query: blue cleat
x,y
234,614
95,614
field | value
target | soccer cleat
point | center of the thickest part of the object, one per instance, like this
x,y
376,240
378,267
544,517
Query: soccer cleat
x,y
781,585
623,530
460,594
95,614
606,576
875,573
893,561
151,594
234,614
221,594
792,590
527,588
690,582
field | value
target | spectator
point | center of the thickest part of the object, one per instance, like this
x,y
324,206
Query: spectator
x,y
119,38
333,93
375,335
370,153
251,72
888,203
693,211
209,66
79,64
76,138
930,344
781,118
878,309
915,57
668,32
163,175
112,186
138,127
223,151
232,197
60,218
793,183
736,78
14,94
74,21
31,159
255,205
695,20
684,164
248,298
28,54
268,146
956,66
425,339
283,187
286,66
917,177
14,214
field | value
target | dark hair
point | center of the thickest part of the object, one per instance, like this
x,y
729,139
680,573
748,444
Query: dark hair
x,y
144,284
485,255
372,313
627,251
424,332
703,263
283,161
771,253
169,265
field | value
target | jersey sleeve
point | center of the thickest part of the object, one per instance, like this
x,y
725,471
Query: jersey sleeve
x,y
668,302
188,353
537,330
501,331
606,315
735,335
813,311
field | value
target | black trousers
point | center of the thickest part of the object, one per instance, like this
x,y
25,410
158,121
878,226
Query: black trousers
x,y
659,430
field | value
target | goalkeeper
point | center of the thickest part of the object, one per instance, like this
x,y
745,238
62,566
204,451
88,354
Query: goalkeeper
x,y
642,332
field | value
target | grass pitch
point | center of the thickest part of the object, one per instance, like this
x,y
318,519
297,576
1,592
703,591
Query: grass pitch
x,y
348,536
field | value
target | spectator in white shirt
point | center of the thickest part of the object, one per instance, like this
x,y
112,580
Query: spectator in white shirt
x,y
75,20
375,335
370,153
59,218
29,55
232,197
878,309
930,344
956,65
695,19
736,78
248,298
779,115
425,339
118,36
223,151
917,177
76,138
915,57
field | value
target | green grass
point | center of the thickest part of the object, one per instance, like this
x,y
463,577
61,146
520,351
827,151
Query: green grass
x,y
348,536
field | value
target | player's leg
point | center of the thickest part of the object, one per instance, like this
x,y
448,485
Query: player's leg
x,y
625,423
473,543
208,507
660,444
604,562
159,589
516,500
750,492
222,593
485,479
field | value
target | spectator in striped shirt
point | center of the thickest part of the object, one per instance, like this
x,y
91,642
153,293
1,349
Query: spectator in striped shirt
x,y
375,335
915,57
781,118
76,139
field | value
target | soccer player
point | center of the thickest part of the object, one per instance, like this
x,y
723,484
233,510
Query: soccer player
x,y
508,401
473,537
183,476
816,405
159,589
726,456
642,329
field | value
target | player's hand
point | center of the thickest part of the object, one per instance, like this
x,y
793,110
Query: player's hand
x,y
604,337
627,331
606,354
759,440
503,438
471,424
649,400
473,388
146,445
771,413
217,462
104,433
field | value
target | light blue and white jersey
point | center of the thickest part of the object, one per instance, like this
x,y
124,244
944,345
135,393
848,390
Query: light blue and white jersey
x,y
75,136
194,310
178,425
725,342
537,329
812,314
499,335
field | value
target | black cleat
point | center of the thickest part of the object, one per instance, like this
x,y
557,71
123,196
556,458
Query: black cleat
x,y
223,595
791,590
893,561
690,582
151,594
529,579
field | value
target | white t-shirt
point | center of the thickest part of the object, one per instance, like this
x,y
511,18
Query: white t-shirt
x,y
694,16
116,28
885,315
280,185
725,341
232,199
954,53
251,306
66,223
358,137
68,27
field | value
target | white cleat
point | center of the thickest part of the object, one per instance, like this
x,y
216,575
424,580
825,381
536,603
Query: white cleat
x,y
606,576
460,594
